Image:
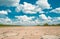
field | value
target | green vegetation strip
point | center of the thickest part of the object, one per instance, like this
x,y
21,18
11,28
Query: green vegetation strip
x,y
2,25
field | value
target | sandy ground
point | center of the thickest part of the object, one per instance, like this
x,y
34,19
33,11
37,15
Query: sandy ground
x,y
30,32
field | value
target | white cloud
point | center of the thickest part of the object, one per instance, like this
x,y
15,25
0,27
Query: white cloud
x,y
9,2
44,19
49,18
43,4
58,18
19,8
55,20
29,21
25,20
3,12
56,10
21,20
5,20
28,8
8,10
43,16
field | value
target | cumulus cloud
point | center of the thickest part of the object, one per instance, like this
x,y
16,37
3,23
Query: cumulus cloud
x,y
55,20
19,8
9,2
43,16
8,10
43,4
58,18
3,12
28,8
24,18
20,20
45,19
56,10
5,20
49,18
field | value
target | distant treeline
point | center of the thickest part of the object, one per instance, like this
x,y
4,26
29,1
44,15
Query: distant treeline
x,y
49,25
3,25
36,25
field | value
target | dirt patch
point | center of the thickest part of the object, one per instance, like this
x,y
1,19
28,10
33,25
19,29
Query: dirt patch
x,y
30,32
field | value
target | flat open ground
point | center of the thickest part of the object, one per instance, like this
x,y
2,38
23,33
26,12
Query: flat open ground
x,y
36,32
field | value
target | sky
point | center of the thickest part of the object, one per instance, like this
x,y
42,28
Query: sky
x,y
29,12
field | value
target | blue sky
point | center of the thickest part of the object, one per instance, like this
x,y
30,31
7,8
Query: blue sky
x,y
29,12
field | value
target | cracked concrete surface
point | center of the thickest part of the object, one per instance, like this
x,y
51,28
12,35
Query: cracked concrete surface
x,y
30,33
